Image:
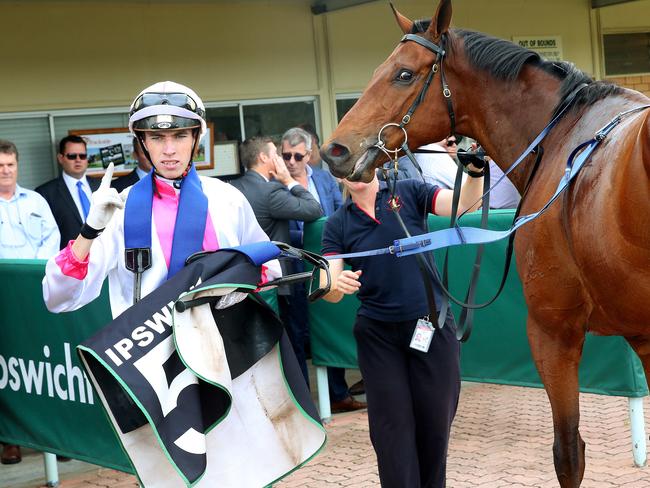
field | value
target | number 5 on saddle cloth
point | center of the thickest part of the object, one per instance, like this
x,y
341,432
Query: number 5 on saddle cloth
x,y
200,381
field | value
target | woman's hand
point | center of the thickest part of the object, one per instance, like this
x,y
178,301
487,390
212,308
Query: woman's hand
x,y
344,281
348,282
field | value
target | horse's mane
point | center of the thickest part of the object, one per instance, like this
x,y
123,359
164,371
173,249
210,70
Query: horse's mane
x,y
505,60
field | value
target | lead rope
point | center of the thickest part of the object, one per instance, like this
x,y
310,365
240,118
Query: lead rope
x,y
423,265
468,307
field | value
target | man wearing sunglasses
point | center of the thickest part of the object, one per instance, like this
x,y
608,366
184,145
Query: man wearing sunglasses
x,y
69,195
27,231
296,152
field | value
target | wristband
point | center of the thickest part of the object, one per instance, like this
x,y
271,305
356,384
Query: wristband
x,y
88,232
475,174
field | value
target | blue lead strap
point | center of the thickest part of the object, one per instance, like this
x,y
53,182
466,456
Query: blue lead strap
x,y
458,235
471,235
531,147
395,249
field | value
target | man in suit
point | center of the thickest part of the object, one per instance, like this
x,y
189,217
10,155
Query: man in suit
x,y
296,153
142,170
69,195
275,203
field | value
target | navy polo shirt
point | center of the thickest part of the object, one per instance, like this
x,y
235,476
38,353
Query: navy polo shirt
x,y
391,287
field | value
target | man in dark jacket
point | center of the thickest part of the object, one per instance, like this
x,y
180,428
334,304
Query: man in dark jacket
x,y
297,150
142,170
275,201
69,195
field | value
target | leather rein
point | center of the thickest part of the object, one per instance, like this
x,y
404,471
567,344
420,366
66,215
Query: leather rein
x,y
427,270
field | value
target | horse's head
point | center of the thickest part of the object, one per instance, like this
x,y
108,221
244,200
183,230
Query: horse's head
x,y
353,151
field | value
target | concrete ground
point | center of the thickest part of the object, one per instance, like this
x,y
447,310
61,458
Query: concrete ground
x,y
502,437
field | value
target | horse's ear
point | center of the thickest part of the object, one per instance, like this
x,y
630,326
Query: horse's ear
x,y
404,23
441,20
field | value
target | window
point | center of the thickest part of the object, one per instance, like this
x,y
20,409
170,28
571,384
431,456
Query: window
x,y
226,123
627,53
31,135
273,119
344,103
36,133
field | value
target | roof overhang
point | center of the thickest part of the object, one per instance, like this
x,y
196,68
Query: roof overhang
x,y
605,3
323,6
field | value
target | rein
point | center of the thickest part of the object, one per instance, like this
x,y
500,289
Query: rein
x,y
455,235
426,268
471,235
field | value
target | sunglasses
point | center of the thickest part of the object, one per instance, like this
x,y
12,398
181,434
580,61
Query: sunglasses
x,y
297,156
181,100
82,156
456,140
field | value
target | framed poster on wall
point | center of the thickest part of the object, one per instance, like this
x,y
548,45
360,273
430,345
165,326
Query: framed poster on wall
x,y
115,146
226,160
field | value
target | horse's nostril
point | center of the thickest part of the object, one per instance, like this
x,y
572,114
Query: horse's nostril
x,y
337,151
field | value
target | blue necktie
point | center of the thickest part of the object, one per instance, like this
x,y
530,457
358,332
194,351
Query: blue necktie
x,y
85,203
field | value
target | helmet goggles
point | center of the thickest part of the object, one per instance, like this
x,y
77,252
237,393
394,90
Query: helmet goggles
x,y
167,105
181,100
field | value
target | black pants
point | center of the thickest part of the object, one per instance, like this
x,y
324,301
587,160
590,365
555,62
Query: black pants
x,y
295,317
412,398
294,313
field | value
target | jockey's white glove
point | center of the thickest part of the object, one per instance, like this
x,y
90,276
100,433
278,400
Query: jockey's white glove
x,y
104,201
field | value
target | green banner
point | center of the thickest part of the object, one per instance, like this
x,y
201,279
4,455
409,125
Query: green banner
x,y
497,351
46,401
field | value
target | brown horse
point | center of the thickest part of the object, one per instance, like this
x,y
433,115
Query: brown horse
x,y
585,264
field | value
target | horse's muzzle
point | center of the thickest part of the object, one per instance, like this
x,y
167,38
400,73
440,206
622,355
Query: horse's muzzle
x,y
343,165
337,157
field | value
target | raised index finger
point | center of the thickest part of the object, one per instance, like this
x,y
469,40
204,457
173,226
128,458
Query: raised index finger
x,y
108,176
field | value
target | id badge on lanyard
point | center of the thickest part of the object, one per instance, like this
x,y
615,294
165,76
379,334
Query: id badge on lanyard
x,y
422,335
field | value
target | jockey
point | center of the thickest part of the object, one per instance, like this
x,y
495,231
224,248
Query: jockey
x,y
141,237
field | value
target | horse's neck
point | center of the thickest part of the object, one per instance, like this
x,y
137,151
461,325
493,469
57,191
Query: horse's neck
x,y
626,160
507,117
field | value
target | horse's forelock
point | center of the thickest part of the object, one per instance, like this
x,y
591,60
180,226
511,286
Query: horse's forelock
x,y
420,26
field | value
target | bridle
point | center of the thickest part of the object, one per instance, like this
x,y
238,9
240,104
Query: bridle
x,y
437,66
424,243
426,269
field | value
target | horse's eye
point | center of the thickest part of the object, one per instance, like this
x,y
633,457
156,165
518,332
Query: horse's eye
x,y
404,75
